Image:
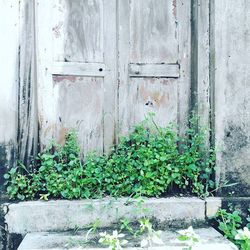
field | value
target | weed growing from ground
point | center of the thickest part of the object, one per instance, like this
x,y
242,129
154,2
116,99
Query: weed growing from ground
x,y
189,237
231,224
114,241
150,161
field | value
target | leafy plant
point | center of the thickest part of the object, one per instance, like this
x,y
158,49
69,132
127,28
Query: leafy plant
x,y
248,219
125,224
93,227
58,173
189,237
243,237
231,224
150,161
152,236
113,241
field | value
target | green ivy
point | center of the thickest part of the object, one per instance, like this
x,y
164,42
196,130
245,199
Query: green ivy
x,y
152,161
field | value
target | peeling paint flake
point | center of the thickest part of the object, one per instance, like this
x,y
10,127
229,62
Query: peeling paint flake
x,y
57,78
174,8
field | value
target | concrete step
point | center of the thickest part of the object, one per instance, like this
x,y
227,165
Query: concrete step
x,y
210,239
62,215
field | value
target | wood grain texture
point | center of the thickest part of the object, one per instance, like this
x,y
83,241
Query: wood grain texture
x,y
46,96
138,24
153,31
27,136
203,81
148,95
80,106
79,18
79,69
78,30
183,13
110,79
154,70
123,63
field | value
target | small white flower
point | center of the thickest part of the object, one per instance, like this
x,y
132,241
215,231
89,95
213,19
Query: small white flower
x,y
121,235
243,234
124,242
103,234
115,234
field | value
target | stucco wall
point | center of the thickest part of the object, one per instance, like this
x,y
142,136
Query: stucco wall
x,y
9,27
232,92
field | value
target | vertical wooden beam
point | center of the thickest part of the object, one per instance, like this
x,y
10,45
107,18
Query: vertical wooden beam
x,y
123,33
200,63
27,136
203,87
110,80
194,56
184,82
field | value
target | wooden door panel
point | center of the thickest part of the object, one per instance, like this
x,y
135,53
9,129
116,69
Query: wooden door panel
x,y
86,82
78,30
153,61
153,31
149,95
76,43
80,105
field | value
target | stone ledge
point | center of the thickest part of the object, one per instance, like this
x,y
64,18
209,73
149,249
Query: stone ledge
x,y
63,215
213,204
210,239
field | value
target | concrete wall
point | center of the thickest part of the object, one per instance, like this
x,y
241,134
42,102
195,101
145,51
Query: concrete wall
x,y
9,27
18,124
231,43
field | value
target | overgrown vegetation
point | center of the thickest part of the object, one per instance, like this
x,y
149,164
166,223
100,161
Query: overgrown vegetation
x,y
151,161
231,224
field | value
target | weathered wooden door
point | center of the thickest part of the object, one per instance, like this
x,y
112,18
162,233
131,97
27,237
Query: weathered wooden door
x,y
103,64
154,60
77,70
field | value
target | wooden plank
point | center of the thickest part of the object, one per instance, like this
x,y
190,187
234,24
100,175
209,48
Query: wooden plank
x,y
73,74
139,95
110,80
79,105
203,81
78,30
27,136
154,70
153,31
124,88
46,94
183,13
78,69
149,95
